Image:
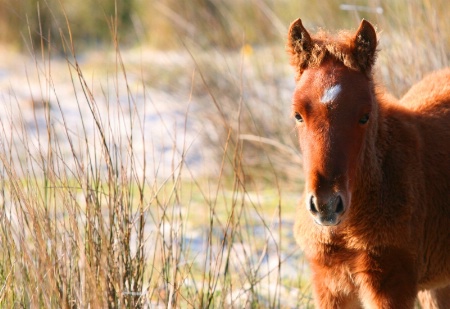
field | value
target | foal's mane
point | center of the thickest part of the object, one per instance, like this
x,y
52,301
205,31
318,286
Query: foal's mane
x,y
345,46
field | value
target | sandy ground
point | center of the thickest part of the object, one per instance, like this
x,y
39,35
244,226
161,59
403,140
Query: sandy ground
x,y
36,94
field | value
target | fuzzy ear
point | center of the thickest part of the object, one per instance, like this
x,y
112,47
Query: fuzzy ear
x,y
299,44
365,45
298,38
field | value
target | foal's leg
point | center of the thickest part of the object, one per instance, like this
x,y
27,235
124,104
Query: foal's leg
x,y
435,299
327,299
388,281
334,290
388,296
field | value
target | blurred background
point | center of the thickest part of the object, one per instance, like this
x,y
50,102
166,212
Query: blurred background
x,y
147,151
166,24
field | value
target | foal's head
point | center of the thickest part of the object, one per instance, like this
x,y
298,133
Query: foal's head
x,y
333,105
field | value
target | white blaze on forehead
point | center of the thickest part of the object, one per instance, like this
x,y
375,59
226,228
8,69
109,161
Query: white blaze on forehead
x,y
330,94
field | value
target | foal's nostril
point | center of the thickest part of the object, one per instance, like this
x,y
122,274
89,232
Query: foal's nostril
x,y
332,205
312,205
327,209
340,205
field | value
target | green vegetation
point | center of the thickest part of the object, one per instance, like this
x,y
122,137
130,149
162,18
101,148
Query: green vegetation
x,y
147,157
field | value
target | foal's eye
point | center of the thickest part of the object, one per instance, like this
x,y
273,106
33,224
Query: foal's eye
x,y
364,119
298,117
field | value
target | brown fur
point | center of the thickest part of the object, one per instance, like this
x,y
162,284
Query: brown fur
x,y
392,174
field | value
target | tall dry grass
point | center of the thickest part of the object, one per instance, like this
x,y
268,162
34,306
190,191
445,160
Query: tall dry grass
x,y
73,202
94,216
85,221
